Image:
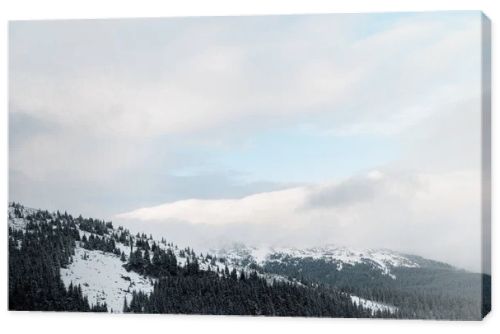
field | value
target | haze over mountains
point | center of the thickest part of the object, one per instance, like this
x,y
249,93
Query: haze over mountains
x,y
108,268
374,209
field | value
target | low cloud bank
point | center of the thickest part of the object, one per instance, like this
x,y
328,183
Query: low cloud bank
x,y
433,215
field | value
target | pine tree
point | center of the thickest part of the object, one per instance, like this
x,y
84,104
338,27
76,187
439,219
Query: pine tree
x,y
125,305
147,259
234,274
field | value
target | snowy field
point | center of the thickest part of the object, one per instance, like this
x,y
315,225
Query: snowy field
x,y
103,278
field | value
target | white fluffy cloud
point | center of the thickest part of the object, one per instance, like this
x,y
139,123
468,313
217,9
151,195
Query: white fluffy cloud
x,y
393,209
102,111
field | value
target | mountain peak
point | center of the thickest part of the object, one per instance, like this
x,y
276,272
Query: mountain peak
x,y
380,259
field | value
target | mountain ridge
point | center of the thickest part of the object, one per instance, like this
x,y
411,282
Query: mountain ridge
x,y
112,269
382,259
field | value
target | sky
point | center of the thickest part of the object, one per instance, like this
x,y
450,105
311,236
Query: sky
x,y
360,130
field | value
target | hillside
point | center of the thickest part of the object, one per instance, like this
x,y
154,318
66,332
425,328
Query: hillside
x,y
417,287
60,262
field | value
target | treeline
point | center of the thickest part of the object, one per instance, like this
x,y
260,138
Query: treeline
x,y
209,293
161,263
434,292
47,244
100,243
187,289
96,226
36,256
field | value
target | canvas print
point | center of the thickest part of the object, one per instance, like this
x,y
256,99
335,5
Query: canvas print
x,y
333,165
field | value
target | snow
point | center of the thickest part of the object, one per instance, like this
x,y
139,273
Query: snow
x,y
103,278
17,223
380,259
260,254
372,305
123,248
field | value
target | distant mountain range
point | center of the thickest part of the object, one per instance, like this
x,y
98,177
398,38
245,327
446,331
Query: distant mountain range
x,y
381,260
102,267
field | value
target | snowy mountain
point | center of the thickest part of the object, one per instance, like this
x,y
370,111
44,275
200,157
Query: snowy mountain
x,y
102,275
112,269
382,260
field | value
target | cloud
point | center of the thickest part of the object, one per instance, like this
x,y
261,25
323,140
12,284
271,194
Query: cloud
x,y
377,209
104,113
352,190
292,206
262,208
112,89
205,84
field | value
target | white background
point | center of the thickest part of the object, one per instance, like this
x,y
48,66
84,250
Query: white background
x,y
146,324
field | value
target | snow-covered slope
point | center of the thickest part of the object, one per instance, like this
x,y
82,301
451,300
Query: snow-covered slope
x,y
372,305
103,278
379,259
16,222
